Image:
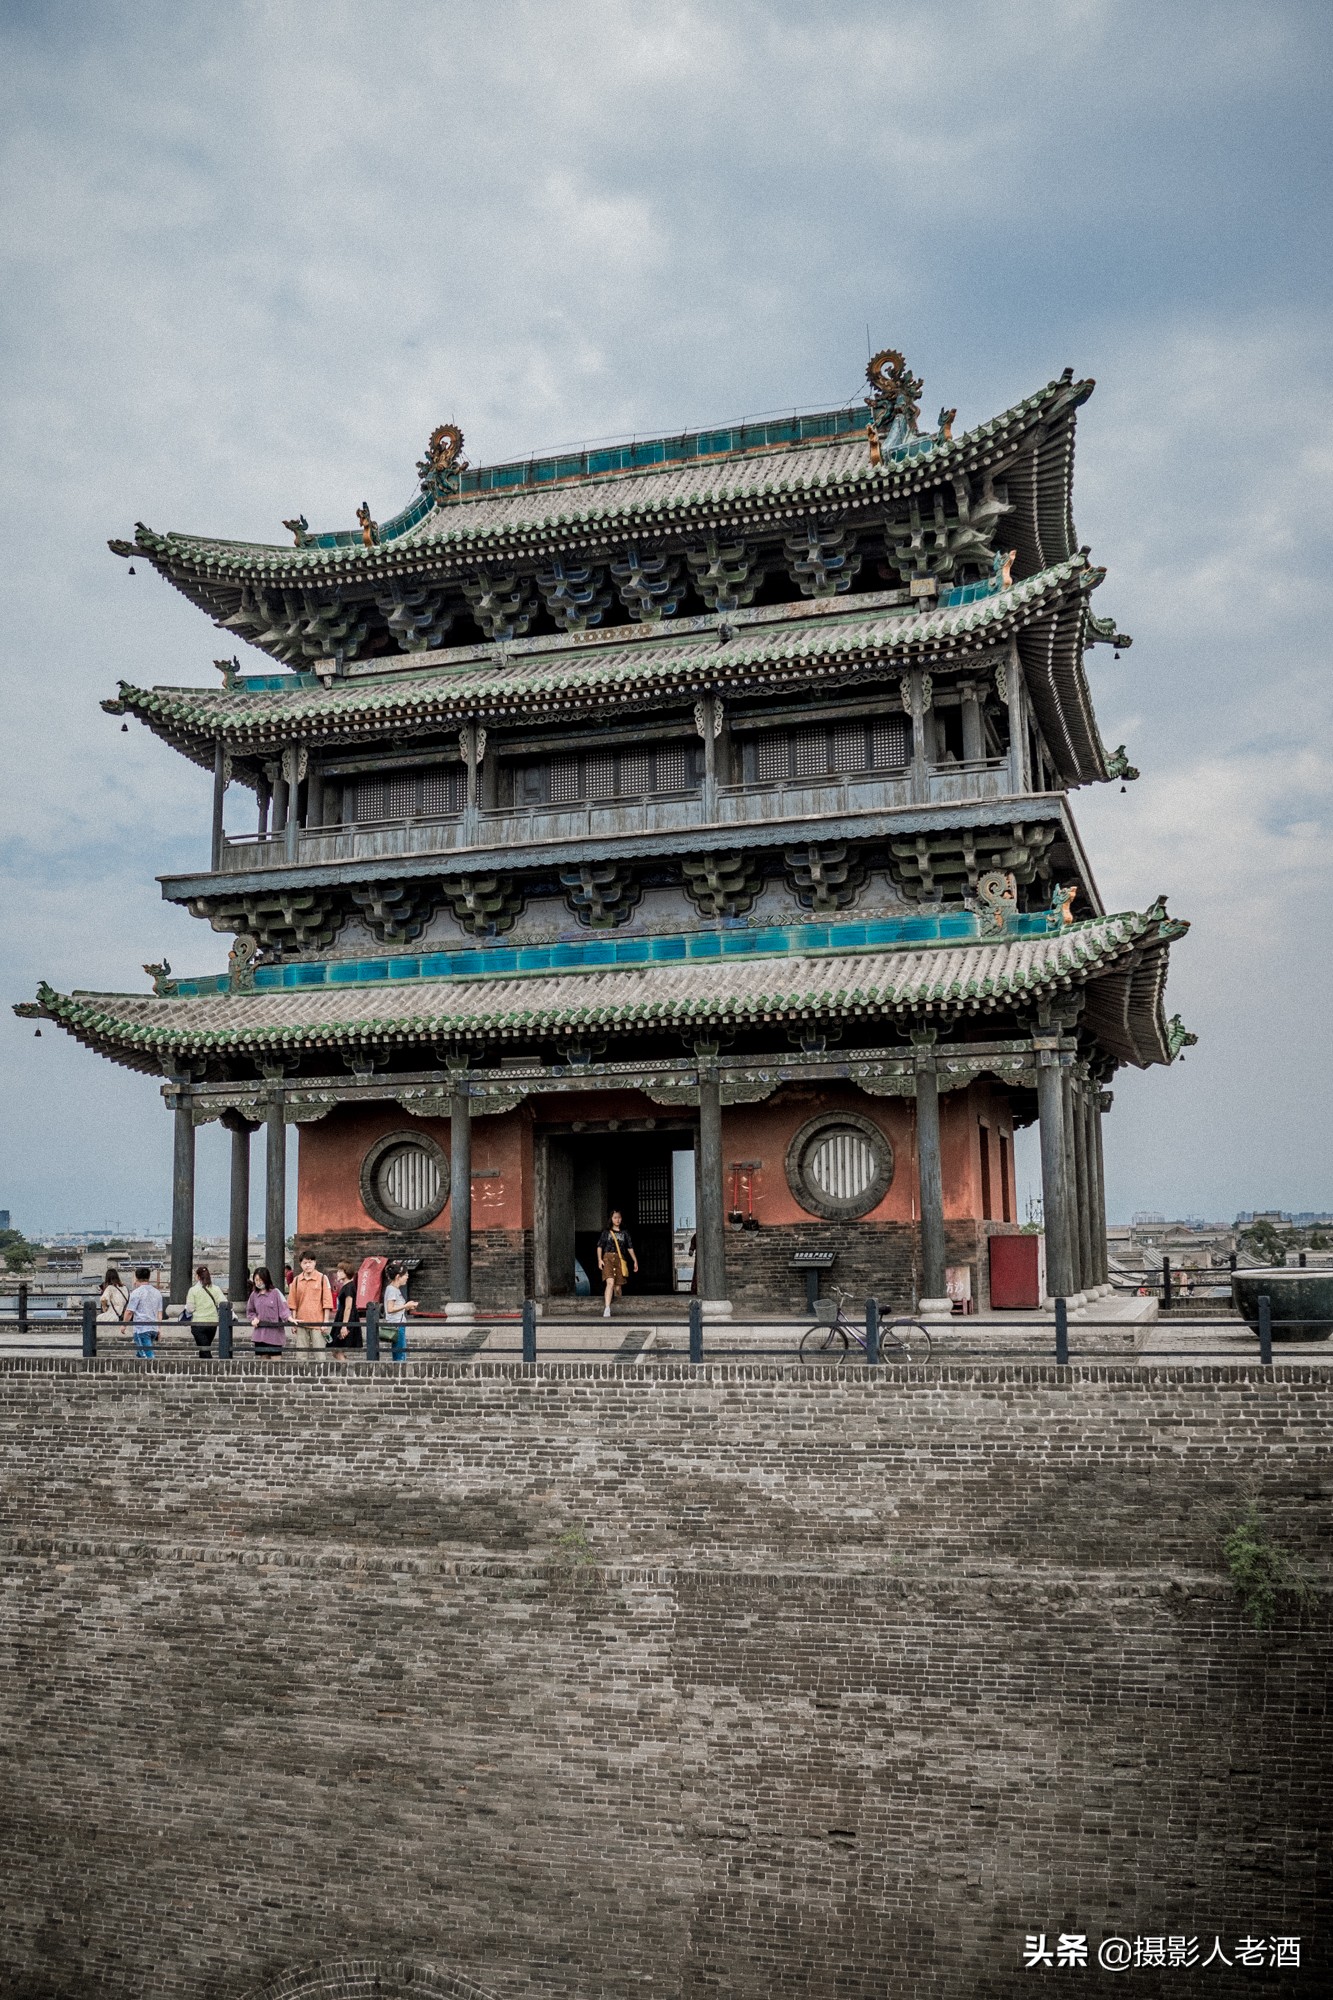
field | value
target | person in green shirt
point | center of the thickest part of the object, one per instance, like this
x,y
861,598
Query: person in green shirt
x,y
201,1303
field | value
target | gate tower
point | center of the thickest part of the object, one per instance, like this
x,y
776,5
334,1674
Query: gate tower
x,y
683,824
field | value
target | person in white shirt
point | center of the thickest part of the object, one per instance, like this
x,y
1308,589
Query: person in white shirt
x,y
143,1310
397,1306
111,1306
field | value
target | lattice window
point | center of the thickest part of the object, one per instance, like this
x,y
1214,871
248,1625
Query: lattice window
x,y
409,1180
602,775
674,771
636,774
654,1196
772,758
847,747
842,1166
427,794
599,775
890,743
566,787
809,753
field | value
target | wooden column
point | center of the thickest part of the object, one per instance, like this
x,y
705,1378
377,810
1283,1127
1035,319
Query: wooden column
x,y
1087,1269
1054,1179
1102,1102
1014,700
292,760
182,1200
219,800
314,809
1096,1209
281,800
238,1239
262,794
930,1178
467,739
974,736
275,1186
710,1245
460,1200
706,722
920,772
1074,1241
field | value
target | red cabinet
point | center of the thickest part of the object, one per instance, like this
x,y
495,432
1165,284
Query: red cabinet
x,y
1017,1272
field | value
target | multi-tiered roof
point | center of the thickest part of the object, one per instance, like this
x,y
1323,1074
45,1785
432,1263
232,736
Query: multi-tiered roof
x,y
833,566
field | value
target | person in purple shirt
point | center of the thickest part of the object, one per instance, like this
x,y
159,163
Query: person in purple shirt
x,y
143,1310
268,1313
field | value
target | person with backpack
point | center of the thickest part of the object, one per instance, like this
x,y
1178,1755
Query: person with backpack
x,y
111,1306
268,1313
201,1309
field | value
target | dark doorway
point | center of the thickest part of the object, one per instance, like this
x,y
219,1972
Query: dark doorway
x,y
588,1175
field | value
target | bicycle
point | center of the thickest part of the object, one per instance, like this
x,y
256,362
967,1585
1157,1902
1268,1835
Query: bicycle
x,y
832,1337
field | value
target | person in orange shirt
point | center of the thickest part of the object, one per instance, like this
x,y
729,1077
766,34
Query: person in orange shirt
x,y
310,1297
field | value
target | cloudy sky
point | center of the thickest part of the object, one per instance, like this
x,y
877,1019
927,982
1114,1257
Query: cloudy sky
x,y
253,253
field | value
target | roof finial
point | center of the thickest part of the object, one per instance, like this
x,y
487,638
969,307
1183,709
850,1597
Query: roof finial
x,y
370,530
299,528
894,390
440,469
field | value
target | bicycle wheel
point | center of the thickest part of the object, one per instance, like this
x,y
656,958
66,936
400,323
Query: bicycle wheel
x,y
823,1343
904,1340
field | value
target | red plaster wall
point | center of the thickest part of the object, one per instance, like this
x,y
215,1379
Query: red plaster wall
x,y
331,1152
764,1131
328,1195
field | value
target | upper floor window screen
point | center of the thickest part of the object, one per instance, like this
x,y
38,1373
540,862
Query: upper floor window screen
x,y
839,750
432,793
601,776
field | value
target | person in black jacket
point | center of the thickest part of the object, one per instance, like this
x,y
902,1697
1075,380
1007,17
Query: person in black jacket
x,y
345,1329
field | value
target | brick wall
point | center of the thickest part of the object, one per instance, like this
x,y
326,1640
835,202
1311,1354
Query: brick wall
x,y
603,1682
880,1260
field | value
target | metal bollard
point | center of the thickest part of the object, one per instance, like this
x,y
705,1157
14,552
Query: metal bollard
x,y
372,1331
1231,1261
529,1333
1300,1259
90,1329
1265,1330
872,1332
1061,1334
23,1308
224,1330
696,1329
1166,1284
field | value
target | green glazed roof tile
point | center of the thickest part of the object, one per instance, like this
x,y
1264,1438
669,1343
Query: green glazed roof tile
x,y
1120,959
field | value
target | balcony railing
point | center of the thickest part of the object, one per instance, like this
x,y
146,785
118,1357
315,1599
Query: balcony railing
x,y
736,806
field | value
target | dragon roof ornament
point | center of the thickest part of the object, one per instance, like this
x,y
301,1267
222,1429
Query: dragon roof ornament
x,y
444,464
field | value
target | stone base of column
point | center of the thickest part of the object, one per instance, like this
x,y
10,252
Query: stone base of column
x,y
717,1308
934,1309
1075,1300
460,1311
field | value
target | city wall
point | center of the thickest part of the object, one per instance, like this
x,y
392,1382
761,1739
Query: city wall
x,y
604,1682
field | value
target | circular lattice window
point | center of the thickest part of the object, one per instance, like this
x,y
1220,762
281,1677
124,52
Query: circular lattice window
x,y
404,1180
839,1166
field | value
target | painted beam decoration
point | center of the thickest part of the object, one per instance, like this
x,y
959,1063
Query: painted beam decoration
x,y
665,779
